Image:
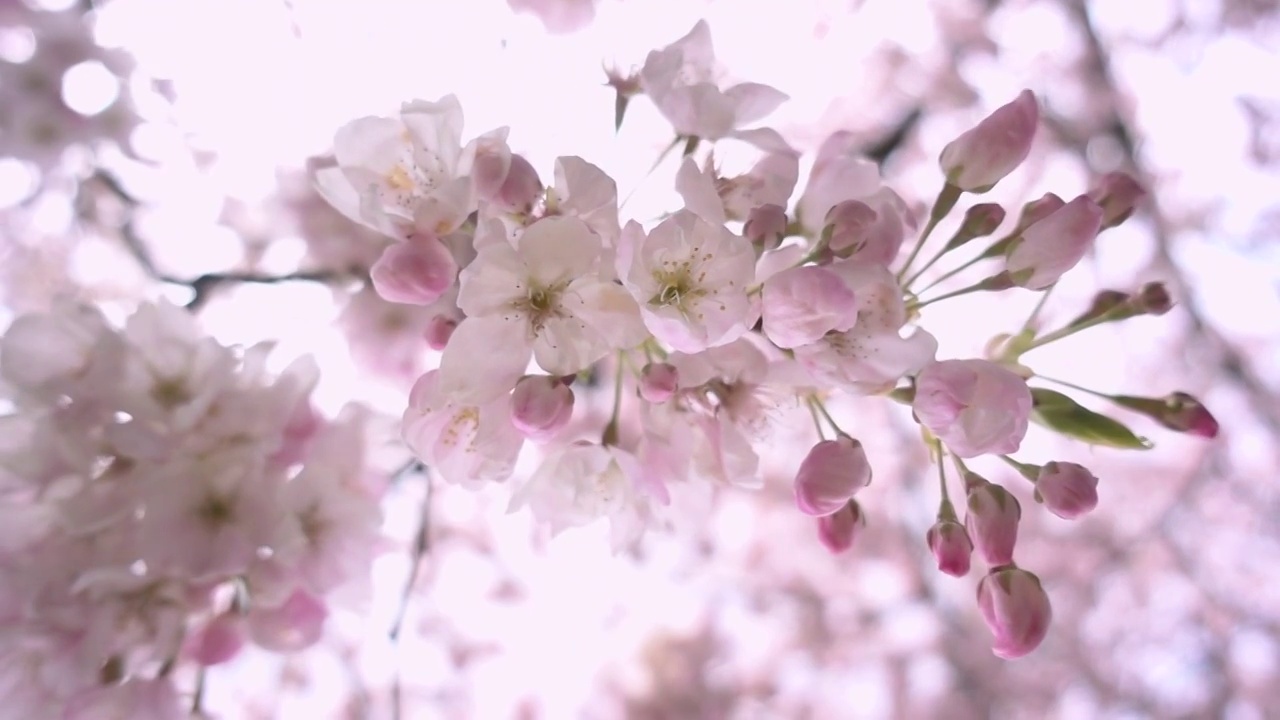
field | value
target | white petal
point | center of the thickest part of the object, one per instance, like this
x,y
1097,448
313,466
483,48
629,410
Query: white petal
x,y
698,190
559,249
484,358
492,281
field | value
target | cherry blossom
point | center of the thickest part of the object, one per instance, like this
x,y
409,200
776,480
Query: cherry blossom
x,y
975,406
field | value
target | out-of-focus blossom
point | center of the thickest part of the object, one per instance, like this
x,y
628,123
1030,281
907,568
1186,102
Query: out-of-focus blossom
x,y
839,531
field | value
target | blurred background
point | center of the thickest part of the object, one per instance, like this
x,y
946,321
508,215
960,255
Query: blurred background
x,y
156,148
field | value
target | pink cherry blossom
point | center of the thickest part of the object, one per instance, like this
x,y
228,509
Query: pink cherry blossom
x,y
872,355
542,298
1016,609
135,699
830,475
801,305
580,485
541,406
1052,246
951,547
983,155
404,173
976,407
466,444
691,280
1067,489
992,521
586,192
839,531
680,79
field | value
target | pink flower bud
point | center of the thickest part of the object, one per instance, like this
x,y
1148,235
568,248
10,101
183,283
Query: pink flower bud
x,y
1067,489
658,382
1037,210
1153,299
800,305
520,189
541,406
839,530
982,156
1118,194
415,272
765,227
979,221
951,547
220,640
439,329
976,407
1179,412
848,221
830,475
294,625
1052,246
992,522
1104,302
1016,610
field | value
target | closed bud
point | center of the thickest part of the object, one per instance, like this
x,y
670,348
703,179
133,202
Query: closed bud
x,y
439,329
1037,210
541,406
839,530
1152,299
658,382
1104,302
1016,610
1050,247
830,475
415,272
992,521
979,221
765,227
949,542
983,155
1067,489
1118,194
1179,412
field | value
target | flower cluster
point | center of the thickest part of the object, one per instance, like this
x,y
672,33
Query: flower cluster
x,y
166,501
730,306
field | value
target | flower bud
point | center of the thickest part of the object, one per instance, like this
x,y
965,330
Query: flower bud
x,y
847,224
439,329
976,407
830,475
979,221
1118,193
839,530
1152,299
520,189
1037,210
802,304
982,156
220,640
1104,302
540,406
1052,246
765,227
658,382
1016,610
415,272
992,521
1179,412
951,547
1067,489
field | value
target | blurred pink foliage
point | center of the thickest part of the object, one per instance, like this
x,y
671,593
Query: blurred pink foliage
x,y
1164,597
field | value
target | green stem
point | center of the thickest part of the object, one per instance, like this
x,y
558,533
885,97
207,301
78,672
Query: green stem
x,y
661,156
818,405
946,200
995,282
945,510
1073,386
1026,470
1035,312
610,436
1068,331
817,421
